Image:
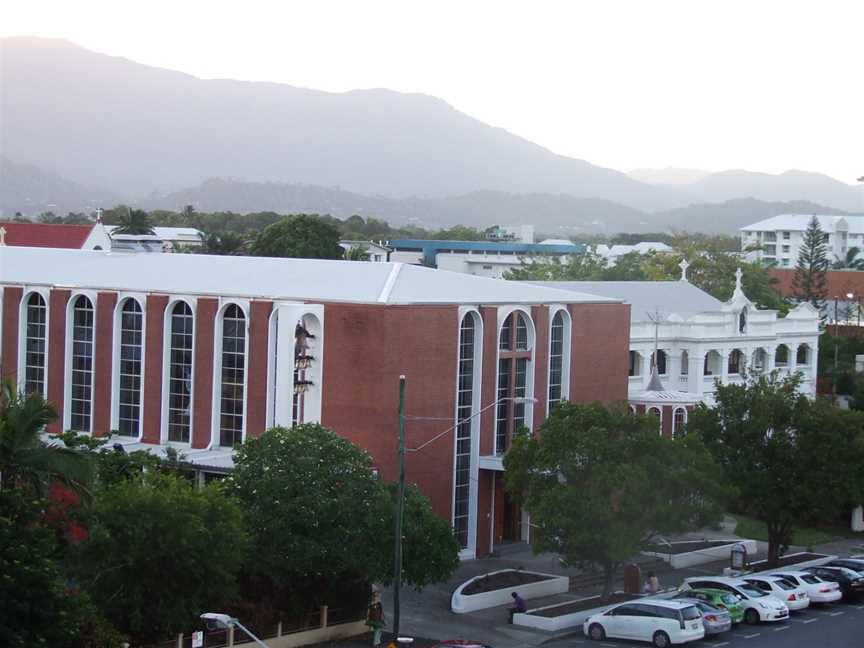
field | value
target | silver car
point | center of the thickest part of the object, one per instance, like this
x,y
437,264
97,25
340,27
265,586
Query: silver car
x,y
714,619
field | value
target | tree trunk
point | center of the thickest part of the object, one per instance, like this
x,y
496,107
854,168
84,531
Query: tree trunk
x,y
608,577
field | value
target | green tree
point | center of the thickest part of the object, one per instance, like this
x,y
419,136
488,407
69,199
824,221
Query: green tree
x,y
809,283
25,460
781,452
458,233
134,221
160,553
37,608
600,483
223,244
304,236
357,253
850,261
627,268
572,267
319,516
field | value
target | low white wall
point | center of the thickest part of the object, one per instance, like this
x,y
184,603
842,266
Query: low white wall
x,y
556,623
318,635
815,562
702,556
461,603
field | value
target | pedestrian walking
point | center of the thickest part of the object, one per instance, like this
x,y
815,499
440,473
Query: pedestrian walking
x,y
652,584
375,618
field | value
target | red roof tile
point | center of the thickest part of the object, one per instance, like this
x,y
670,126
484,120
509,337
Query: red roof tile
x,y
51,236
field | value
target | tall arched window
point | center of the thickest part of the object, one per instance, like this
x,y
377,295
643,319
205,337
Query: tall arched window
x,y
735,362
742,321
233,376
660,362
781,356
513,361
130,375
679,420
635,363
465,405
685,362
655,411
81,365
34,345
180,365
802,355
556,360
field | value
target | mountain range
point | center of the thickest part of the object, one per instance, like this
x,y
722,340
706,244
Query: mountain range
x,y
93,128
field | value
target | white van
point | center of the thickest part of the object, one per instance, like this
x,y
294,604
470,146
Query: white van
x,y
663,623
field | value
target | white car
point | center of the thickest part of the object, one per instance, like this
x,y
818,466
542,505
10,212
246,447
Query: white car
x,y
819,591
758,606
663,623
794,596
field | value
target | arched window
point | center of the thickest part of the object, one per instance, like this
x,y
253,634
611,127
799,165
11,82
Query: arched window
x,y
302,363
465,405
180,366
635,363
760,360
735,362
513,362
742,321
781,356
81,365
34,345
802,355
130,375
557,353
660,362
679,420
232,390
713,363
655,411
685,363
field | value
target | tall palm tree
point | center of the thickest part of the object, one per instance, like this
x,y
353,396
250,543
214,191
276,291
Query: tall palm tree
x,y
136,221
850,261
25,460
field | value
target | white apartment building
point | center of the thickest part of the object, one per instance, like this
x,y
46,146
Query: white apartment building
x,y
779,238
702,340
614,252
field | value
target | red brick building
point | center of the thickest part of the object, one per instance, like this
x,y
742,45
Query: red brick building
x,y
197,352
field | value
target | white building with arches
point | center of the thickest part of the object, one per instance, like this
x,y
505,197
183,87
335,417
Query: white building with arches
x,y
701,340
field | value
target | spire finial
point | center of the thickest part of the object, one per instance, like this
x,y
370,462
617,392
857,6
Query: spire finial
x,y
683,265
738,275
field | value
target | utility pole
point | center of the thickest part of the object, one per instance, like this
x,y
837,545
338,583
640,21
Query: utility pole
x,y
400,507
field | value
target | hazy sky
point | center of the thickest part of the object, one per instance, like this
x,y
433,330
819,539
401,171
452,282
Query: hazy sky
x,y
757,84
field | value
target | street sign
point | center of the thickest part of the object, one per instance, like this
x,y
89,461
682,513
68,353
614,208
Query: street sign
x,y
198,639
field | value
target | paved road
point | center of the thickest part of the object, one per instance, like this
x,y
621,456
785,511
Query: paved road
x,y
834,626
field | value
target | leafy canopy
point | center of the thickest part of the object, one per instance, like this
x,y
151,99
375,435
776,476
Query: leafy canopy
x,y
600,482
791,459
304,236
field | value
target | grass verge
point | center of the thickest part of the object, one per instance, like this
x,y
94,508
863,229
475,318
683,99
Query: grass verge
x,y
747,527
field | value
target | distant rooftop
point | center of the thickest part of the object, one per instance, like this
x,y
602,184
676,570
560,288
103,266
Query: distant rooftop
x,y
45,235
430,248
799,223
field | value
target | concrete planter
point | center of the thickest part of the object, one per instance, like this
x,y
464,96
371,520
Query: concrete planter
x,y
461,603
531,619
701,556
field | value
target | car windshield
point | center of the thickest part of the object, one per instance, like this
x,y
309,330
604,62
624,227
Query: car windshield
x,y
691,612
784,584
812,580
705,607
729,599
751,591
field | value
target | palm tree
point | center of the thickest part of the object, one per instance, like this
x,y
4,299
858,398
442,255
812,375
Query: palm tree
x,y
850,262
25,460
136,221
223,243
357,253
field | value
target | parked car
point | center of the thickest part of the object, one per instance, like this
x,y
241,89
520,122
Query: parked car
x,y
855,564
819,591
851,582
793,596
758,605
719,599
714,619
662,622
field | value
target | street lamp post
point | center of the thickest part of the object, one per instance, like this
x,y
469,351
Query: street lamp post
x,y
226,621
400,497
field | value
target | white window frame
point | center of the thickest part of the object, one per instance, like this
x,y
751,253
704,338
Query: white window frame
x,y
566,354
141,300
67,354
216,418
192,303
45,294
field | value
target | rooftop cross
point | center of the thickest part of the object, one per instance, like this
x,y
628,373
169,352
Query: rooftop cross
x,y
683,265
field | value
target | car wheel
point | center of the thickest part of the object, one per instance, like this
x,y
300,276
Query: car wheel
x,y
661,640
751,616
596,632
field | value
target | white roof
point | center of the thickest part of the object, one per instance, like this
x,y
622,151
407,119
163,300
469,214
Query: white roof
x,y
648,297
799,223
551,241
161,233
268,278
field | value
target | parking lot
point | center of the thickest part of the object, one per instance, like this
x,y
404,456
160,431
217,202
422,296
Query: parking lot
x,y
832,626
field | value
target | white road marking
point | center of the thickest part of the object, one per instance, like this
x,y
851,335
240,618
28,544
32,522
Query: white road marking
x,y
717,645
782,628
810,621
608,644
751,636
835,613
